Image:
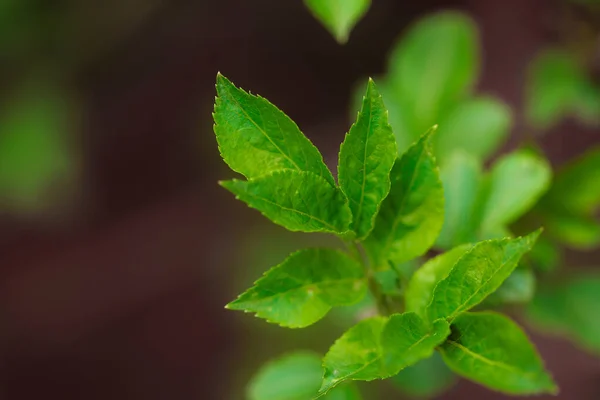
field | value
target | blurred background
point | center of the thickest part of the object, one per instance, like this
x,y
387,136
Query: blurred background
x,y
118,250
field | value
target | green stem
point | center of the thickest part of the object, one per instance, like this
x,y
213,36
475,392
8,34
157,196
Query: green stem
x,y
383,306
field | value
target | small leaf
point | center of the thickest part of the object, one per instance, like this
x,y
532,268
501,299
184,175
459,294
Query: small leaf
x,y
256,138
462,177
420,288
412,214
339,17
366,159
574,231
516,182
296,376
380,347
298,201
476,126
301,290
426,379
490,349
479,272
570,309
434,65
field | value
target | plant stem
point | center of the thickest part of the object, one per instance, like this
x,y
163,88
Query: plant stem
x,y
383,306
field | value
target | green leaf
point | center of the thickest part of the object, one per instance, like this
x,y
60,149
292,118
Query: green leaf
x,y
380,347
426,379
298,201
570,309
490,349
476,126
412,214
577,232
558,87
366,159
462,177
420,288
255,138
479,272
295,376
302,289
434,65
516,182
37,162
575,187
339,17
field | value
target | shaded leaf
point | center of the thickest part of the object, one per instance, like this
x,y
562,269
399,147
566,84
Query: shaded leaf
x,y
380,347
302,289
412,214
298,201
255,138
490,349
479,272
426,379
366,158
518,288
339,17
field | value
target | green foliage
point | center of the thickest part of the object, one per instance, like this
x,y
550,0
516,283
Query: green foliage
x,y
379,347
388,211
339,17
570,309
302,289
426,379
558,87
491,349
296,376
366,158
35,154
411,216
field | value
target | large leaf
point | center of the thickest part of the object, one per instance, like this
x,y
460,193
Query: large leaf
x,y
427,378
298,201
434,65
296,376
570,309
492,350
366,158
412,215
256,138
302,289
477,126
462,177
380,347
479,272
339,17
516,182
420,287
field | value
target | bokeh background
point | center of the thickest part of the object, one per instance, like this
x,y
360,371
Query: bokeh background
x,y
118,250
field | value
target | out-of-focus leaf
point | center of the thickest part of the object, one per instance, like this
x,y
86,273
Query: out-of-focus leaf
x,y
426,379
545,255
434,65
558,87
296,376
491,349
339,17
36,159
476,126
462,177
518,288
571,309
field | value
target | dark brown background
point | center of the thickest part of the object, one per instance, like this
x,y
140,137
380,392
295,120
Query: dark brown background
x,y
124,299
